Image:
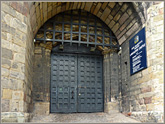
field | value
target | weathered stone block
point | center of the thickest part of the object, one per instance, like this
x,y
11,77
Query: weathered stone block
x,y
3,36
19,57
5,105
20,119
5,83
21,106
7,28
7,94
147,100
116,27
9,120
6,53
141,101
8,19
111,24
15,105
16,84
123,18
115,9
124,7
97,8
17,95
5,72
158,18
112,4
150,107
8,9
44,106
19,25
17,48
104,5
17,75
146,89
105,13
16,66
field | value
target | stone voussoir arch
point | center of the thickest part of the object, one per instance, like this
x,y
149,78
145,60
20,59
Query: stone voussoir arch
x,y
121,17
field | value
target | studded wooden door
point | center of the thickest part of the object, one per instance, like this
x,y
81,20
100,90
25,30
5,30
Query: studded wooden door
x,y
63,83
76,83
90,89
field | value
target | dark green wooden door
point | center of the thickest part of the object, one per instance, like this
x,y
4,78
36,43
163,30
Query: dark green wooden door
x,y
63,83
90,87
76,83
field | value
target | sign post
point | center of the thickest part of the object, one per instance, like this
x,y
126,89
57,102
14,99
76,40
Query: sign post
x,y
137,49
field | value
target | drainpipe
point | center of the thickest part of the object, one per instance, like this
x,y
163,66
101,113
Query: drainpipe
x,y
120,82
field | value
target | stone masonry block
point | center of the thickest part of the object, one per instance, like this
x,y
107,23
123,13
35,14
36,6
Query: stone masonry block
x,y
123,18
146,89
147,100
124,7
7,94
6,63
15,105
104,5
116,27
97,8
141,101
21,106
112,4
6,53
105,13
17,95
115,9
150,107
17,75
44,106
5,83
16,66
19,25
8,9
9,37
5,72
111,24
17,48
16,84
8,19
5,105
18,57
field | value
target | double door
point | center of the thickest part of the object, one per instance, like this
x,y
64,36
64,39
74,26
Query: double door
x,y
76,83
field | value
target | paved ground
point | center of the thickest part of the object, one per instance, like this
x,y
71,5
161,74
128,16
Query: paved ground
x,y
84,118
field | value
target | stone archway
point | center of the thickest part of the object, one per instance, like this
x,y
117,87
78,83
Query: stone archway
x,y
21,21
123,18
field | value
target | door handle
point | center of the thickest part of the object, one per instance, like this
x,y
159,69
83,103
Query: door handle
x,y
72,95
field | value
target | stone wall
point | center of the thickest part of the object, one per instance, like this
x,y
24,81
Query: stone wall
x,y
142,93
41,86
17,64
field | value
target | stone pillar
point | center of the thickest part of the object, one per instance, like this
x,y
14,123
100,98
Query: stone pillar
x,y
41,84
111,92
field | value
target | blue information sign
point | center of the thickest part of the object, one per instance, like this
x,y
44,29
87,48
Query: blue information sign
x,y
137,49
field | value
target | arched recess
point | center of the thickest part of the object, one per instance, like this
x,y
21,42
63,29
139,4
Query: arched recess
x,y
77,26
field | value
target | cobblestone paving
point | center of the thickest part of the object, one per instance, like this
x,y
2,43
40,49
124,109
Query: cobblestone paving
x,y
84,118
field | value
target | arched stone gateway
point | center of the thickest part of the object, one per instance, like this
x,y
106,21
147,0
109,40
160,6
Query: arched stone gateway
x,y
26,65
